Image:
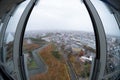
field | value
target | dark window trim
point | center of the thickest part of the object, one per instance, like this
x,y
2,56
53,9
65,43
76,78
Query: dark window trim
x,y
19,56
113,3
117,17
101,45
3,72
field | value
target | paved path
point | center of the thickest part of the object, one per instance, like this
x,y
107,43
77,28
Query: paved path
x,y
71,71
42,67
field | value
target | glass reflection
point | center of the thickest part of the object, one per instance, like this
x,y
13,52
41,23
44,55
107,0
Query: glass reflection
x,y
59,41
9,39
112,37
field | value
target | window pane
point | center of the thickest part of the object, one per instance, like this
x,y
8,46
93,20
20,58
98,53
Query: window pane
x,y
59,41
112,32
9,39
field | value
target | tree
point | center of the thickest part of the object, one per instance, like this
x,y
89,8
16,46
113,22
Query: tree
x,y
56,54
81,53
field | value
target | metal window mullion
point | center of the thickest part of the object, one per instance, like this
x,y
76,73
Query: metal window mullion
x,y
3,30
17,52
101,47
4,25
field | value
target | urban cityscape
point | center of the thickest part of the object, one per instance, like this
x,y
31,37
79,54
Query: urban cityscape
x,y
59,55
113,56
63,55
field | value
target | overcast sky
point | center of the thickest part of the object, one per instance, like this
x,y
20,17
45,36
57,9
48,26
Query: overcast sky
x,y
59,15
64,15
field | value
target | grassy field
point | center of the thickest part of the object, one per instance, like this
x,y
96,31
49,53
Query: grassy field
x,y
56,67
28,48
32,65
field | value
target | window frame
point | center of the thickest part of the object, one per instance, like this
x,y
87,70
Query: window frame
x,y
100,60
17,45
116,16
98,69
4,72
4,23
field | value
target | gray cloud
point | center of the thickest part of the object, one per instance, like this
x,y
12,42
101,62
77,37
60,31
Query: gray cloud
x,y
60,15
64,15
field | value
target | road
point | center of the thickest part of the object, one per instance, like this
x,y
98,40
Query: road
x,y
42,67
72,73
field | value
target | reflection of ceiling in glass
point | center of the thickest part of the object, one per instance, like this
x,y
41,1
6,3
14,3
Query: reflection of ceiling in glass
x,y
108,19
59,15
6,6
16,16
113,3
